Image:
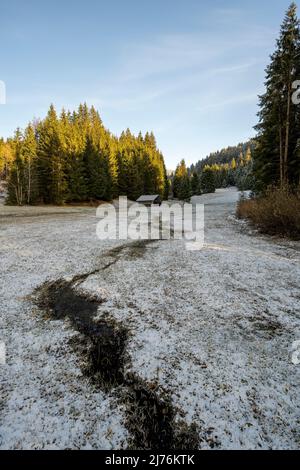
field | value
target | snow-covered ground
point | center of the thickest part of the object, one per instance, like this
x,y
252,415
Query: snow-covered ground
x,y
214,327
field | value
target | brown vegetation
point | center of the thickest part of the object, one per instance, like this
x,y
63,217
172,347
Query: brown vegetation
x,y
275,213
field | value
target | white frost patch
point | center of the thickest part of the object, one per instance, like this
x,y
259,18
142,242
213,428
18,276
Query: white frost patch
x,y
214,327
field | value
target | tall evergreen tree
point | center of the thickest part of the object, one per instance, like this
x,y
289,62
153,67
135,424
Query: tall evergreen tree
x,y
208,182
16,181
181,182
195,184
29,158
74,158
51,161
275,157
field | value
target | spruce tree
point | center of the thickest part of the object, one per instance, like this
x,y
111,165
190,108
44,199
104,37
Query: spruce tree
x,y
74,158
16,181
195,184
275,157
208,183
51,161
181,182
29,157
96,171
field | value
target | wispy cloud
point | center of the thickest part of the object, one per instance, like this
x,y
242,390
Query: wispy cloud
x,y
180,74
182,65
183,52
135,95
234,100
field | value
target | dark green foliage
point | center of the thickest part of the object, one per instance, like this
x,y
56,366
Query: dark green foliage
x,y
195,184
77,179
28,153
181,182
208,181
50,161
230,167
276,158
73,158
96,171
185,189
244,178
222,157
16,182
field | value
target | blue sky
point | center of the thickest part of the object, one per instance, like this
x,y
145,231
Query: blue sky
x,y
190,70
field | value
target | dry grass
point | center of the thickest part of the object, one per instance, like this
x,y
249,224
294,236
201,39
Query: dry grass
x,y
275,213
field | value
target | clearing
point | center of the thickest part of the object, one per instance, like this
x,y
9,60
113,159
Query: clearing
x,y
202,337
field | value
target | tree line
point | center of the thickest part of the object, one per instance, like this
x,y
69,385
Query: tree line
x,y
272,158
212,173
74,158
224,156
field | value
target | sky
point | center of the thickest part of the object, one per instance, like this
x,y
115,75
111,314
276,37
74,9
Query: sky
x,y
188,70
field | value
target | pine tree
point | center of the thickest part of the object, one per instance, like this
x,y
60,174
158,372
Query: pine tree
x,y
150,174
181,182
74,158
29,159
51,162
275,157
16,181
111,151
208,183
195,184
96,171
166,183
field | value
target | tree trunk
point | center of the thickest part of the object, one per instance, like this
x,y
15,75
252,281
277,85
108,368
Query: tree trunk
x,y
287,136
29,181
287,133
281,157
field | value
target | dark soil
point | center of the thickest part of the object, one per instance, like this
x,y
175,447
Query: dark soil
x,y
150,414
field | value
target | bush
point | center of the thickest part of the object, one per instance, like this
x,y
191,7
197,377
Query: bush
x,y
275,213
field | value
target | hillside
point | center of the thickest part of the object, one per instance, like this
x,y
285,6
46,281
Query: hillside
x,y
221,157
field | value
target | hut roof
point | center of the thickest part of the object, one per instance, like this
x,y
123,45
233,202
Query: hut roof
x,y
148,198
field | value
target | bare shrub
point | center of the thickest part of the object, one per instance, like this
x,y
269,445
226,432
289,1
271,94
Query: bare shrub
x,y
275,213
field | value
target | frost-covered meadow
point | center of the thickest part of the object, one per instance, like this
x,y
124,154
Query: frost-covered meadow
x,y
214,328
